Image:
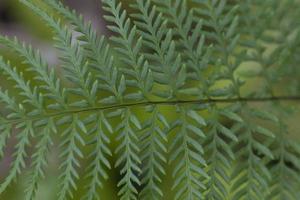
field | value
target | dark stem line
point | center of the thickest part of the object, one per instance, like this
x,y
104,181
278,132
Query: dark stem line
x,y
147,103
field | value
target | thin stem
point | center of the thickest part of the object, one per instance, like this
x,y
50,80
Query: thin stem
x,y
146,103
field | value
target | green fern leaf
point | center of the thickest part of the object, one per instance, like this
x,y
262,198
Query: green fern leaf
x,y
128,150
177,81
39,158
70,154
283,184
187,155
153,151
99,162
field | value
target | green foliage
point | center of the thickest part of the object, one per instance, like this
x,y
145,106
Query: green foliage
x,y
193,58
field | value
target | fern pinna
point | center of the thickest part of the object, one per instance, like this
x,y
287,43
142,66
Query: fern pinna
x,y
189,89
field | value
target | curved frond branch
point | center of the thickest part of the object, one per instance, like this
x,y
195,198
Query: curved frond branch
x,y
31,95
37,64
20,154
97,48
74,61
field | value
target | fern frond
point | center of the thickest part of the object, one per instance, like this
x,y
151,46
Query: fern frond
x,y
37,64
256,176
153,150
142,80
23,137
97,168
39,157
284,171
175,15
16,111
70,154
224,39
170,71
97,49
128,152
267,64
67,181
75,63
32,97
128,46
187,155
219,152
26,128
76,67
182,21
251,175
5,135
165,62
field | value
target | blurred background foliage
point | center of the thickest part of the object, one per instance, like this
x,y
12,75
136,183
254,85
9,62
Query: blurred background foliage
x,y
16,20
